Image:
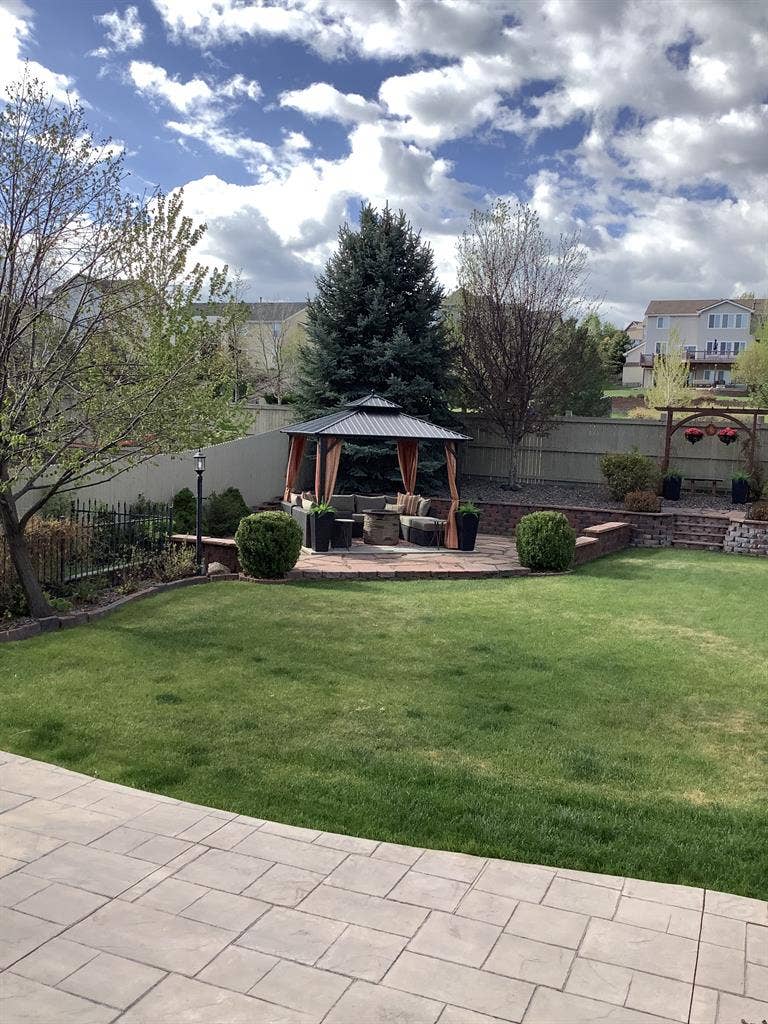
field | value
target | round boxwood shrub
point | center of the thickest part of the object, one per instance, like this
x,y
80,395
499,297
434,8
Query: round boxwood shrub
x,y
269,544
545,541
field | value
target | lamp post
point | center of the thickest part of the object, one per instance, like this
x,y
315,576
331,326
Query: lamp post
x,y
199,469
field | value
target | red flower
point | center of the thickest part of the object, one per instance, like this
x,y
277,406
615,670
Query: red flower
x,y
693,434
727,434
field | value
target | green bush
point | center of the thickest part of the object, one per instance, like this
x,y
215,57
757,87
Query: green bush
x,y
629,471
184,506
545,541
269,544
223,513
642,501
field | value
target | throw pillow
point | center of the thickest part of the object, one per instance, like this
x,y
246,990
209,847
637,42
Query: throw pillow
x,y
410,501
424,505
307,503
391,507
295,497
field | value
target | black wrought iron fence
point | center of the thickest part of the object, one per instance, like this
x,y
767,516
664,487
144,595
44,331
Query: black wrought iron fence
x,y
93,540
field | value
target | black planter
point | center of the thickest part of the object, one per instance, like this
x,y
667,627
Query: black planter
x,y
467,529
671,487
320,530
739,492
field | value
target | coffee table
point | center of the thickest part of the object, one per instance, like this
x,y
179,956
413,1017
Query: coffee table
x,y
381,527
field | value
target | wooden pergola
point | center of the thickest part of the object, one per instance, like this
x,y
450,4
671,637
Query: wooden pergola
x,y
730,413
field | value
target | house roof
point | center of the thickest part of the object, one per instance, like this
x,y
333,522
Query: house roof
x,y
261,312
374,416
690,307
633,323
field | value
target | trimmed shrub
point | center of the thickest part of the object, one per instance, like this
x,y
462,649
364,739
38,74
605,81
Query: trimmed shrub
x,y
629,471
269,544
545,541
223,513
642,501
759,510
184,511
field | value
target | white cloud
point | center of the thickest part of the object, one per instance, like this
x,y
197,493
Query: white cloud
x,y
671,97
15,37
123,31
323,100
155,82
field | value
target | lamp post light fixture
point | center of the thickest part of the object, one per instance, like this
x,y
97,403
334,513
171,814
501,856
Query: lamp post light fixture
x,y
199,469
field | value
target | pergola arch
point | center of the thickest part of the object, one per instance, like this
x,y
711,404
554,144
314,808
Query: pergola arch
x,y
730,413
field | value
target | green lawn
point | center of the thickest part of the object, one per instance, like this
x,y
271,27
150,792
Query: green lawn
x,y
614,719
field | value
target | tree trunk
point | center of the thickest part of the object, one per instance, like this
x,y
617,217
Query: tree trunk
x,y
21,560
512,484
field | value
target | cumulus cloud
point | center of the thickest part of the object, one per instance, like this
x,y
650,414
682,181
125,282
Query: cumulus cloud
x,y
15,36
323,100
123,31
666,183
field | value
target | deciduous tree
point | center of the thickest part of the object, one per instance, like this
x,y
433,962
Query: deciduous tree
x,y
103,363
518,356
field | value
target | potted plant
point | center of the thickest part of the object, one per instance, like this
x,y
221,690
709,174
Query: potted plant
x,y
467,520
693,435
321,517
727,435
740,488
671,485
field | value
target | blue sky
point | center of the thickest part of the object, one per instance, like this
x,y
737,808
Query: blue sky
x,y
639,123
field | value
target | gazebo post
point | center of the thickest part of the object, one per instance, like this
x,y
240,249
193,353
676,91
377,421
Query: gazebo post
x,y
322,446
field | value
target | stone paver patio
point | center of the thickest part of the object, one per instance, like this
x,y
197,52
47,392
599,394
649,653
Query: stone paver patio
x,y
125,905
493,556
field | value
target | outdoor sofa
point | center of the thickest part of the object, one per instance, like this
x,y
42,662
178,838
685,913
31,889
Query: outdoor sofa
x,y
415,529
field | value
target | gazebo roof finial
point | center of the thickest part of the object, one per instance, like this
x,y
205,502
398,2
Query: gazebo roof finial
x,y
373,401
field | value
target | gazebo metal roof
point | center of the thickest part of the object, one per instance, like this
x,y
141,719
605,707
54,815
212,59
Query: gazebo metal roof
x,y
374,416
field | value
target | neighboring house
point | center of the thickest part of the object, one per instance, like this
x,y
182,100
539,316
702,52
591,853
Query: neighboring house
x,y
267,344
712,333
634,330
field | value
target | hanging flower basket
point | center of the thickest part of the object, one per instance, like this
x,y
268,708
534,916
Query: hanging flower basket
x,y
693,435
727,435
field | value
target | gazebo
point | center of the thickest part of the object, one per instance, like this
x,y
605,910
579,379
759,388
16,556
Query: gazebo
x,y
372,418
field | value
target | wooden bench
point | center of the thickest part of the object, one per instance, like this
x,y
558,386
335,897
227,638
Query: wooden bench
x,y
708,484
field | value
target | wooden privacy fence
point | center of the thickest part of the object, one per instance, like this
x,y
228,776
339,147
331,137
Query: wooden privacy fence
x,y
571,452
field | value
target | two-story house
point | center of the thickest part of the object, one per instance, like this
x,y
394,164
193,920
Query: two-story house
x,y
710,333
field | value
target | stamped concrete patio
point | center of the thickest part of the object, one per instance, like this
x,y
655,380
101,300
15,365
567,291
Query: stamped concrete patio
x,y
493,556
125,905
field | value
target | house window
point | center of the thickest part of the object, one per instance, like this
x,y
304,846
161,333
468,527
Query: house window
x,y
714,320
726,318
712,348
725,348
738,320
737,347
662,322
707,375
690,351
659,348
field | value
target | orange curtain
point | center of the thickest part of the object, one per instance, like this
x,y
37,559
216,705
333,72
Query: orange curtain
x,y
332,456
332,448
408,459
451,531
295,455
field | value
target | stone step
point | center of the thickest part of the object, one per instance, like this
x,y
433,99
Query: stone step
x,y
700,531
699,545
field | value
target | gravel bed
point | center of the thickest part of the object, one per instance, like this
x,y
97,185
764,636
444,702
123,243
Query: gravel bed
x,y
584,496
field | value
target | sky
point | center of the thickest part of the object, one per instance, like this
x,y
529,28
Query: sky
x,y
640,123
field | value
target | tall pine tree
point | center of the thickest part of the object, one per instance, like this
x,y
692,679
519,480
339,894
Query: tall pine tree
x,y
377,324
